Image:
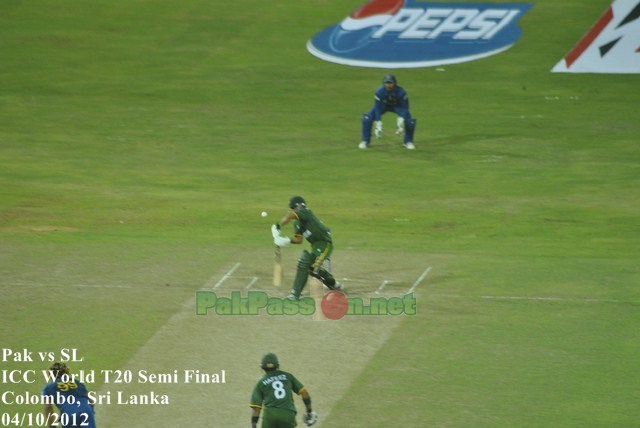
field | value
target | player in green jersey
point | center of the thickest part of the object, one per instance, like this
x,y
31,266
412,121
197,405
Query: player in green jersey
x,y
307,226
274,394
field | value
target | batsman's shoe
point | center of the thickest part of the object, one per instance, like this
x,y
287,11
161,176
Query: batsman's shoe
x,y
409,146
363,145
400,130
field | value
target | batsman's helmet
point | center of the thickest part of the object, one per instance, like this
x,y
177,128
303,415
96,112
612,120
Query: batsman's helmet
x,y
59,369
269,362
296,200
389,78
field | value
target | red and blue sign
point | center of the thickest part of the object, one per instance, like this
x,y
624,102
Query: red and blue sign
x,y
408,33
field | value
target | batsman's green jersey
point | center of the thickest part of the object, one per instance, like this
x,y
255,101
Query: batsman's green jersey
x,y
274,393
310,226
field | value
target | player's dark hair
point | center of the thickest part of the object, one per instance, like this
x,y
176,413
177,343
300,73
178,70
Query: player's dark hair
x,y
59,369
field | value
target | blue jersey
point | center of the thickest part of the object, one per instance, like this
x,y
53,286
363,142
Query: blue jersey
x,y
72,398
397,101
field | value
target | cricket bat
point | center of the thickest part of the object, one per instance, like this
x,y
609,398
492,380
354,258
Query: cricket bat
x,y
277,267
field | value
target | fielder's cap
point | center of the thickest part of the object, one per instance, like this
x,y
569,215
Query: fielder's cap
x,y
296,200
389,78
270,361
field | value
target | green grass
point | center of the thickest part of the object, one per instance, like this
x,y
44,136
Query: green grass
x,y
140,141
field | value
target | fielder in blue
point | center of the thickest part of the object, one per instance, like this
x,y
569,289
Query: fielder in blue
x,y
389,98
71,397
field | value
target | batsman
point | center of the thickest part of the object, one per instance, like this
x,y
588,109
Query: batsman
x,y
307,226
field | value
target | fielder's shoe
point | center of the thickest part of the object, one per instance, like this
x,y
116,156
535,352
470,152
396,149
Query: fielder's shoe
x,y
292,296
363,145
399,131
409,146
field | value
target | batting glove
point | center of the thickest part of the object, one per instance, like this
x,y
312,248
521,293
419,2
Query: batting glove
x,y
275,231
310,418
281,241
377,131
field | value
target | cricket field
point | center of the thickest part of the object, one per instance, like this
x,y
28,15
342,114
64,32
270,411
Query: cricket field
x,y
141,140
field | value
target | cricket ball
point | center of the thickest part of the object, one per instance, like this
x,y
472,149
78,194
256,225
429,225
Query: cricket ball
x,y
263,214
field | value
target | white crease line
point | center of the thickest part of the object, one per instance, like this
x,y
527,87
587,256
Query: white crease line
x,y
419,280
384,283
253,281
225,277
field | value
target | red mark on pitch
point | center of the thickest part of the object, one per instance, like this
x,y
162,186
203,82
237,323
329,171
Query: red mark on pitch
x,y
334,305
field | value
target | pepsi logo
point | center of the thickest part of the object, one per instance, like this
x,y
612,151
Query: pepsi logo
x,y
406,33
